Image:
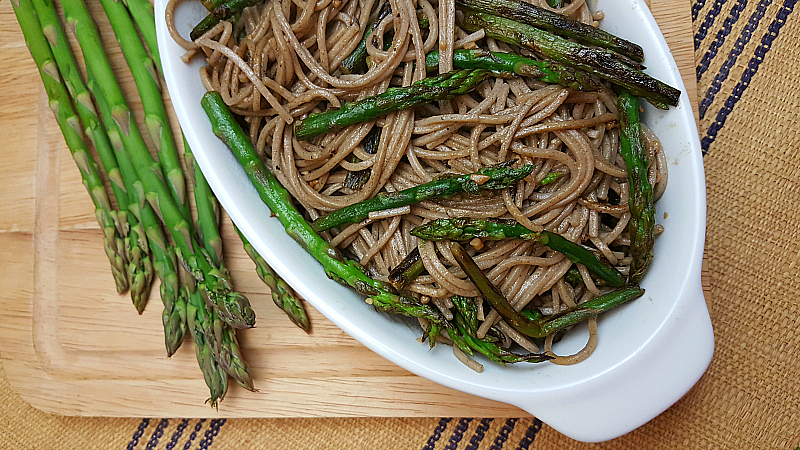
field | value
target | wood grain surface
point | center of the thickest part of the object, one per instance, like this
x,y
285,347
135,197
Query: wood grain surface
x,y
71,345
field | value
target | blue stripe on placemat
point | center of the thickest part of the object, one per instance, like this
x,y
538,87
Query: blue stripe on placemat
x,y
502,435
479,434
530,434
698,5
458,434
752,68
177,434
151,445
211,433
192,436
437,433
707,22
720,38
733,56
138,434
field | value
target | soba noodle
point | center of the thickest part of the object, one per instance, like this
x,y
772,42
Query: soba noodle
x,y
287,65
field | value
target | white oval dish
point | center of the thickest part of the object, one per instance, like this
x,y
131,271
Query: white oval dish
x,y
650,351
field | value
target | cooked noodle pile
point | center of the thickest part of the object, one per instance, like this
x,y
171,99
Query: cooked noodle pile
x,y
286,64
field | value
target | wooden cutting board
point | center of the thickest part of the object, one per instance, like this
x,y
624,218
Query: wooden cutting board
x,y
71,345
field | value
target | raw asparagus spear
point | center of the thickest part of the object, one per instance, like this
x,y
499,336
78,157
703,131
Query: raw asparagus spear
x,y
134,242
173,317
442,87
144,16
146,78
464,335
199,320
546,71
465,229
596,61
641,204
557,24
495,177
215,286
282,294
542,326
381,295
70,125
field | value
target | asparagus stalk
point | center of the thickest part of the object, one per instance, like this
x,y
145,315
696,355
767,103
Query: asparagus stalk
x,y
173,316
144,16
381,295
134,242
465,229
226,346
442,87
641,204
221,11
199,320
155,114
70,125
546,71
407,271
557,24
464,335
539,327
215,286
495,177
357,60
600,62
282,294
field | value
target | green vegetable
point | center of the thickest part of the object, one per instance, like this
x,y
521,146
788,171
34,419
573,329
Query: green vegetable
x,y
282,294
407,271
70,125
381,295
495,177
641,204
542,326
442,87
221,11
557,24
357,60
465,229
545,71
599,62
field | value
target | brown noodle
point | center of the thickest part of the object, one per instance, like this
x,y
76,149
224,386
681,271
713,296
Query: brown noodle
x,y
287,66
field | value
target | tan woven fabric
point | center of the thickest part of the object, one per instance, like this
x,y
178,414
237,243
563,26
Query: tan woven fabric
x,y
749,398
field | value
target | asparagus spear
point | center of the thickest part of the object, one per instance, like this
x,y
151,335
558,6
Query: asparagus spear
x,y
199,320
215,286
357,60
144,16
282,294
541,326
409,269
226,346
546,71
222,11
70,125
495,177
357,180
641,204
442,87
465,229
155,114
381,295
464,335
139,267
597,61
557,24
173,316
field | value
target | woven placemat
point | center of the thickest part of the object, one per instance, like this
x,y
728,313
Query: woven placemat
x,y
747,63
